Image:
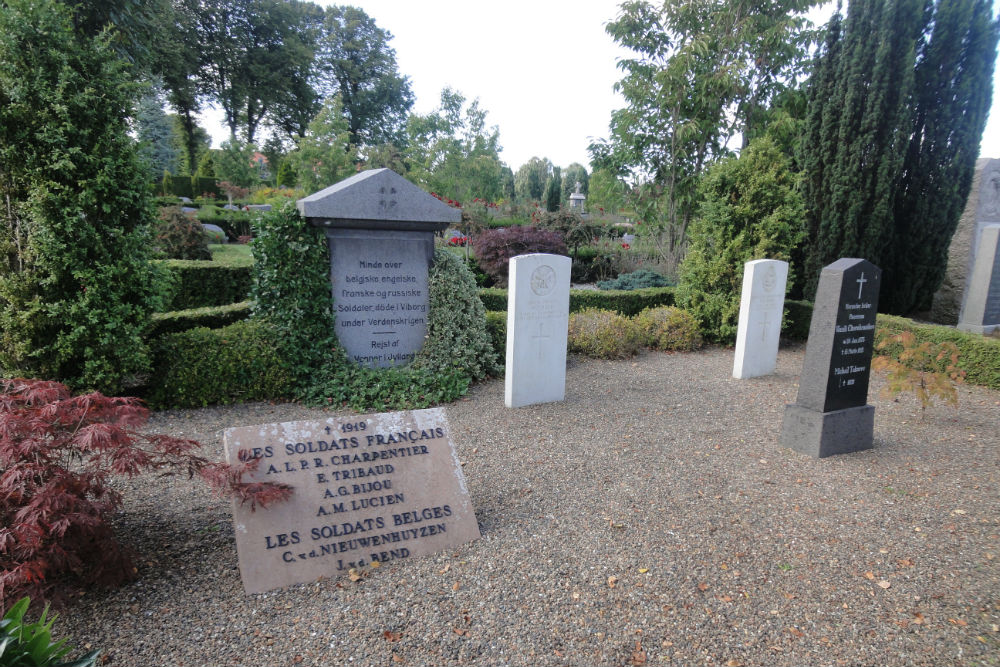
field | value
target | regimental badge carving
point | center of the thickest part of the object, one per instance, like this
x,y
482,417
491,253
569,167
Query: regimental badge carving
x,y
769,278
543,280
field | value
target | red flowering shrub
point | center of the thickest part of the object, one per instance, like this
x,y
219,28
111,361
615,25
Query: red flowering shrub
x,y
458,241
58,453
495,247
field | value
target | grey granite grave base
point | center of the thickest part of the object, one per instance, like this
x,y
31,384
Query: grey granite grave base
x,y
822,434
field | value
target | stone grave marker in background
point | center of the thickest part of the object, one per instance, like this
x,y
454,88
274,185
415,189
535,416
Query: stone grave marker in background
x,y
831,414
577,199
537,328
981,209
981,308
380,228
367,488
762,305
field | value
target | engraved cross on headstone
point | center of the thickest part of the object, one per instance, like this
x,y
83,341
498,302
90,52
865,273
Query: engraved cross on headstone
x,y
861,283
764,322
539,336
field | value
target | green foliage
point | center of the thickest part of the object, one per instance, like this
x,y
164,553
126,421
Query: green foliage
x,y
234,163
155,134
200,283
178,186
212,317
605,192
359,65
798,316
496,327
553,191
206,165
574,229
457,340
702,72
927,369
26,644
237,363
454,153
629,302
751,210
979,356
291,288
897,105
636,280
179,237
530,179
669,329
76,290
603,334
324,155
286,174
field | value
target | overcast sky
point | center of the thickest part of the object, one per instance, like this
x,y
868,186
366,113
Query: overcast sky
x,y
543,69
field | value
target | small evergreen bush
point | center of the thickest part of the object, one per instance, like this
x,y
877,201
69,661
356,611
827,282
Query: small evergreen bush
x,y
179,237
31,644
636,280
603,334
495,247
668,329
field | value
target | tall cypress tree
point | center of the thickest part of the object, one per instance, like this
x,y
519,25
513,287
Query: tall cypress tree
x,y
952,95
893,127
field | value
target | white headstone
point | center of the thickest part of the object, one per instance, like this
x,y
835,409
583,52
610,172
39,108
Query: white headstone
x,y
981,310
762,304
537,327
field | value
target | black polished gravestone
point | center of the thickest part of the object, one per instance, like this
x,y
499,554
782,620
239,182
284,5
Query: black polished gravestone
x,y
380,229
831,414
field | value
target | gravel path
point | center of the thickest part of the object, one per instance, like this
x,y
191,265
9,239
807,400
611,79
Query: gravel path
x,y
651,518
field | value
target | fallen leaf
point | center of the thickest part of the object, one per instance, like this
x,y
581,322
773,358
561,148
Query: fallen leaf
x,y
958,511
884,584
643,570
703,586
558,653
733,662
396,658
918,618
445,568
905,562
726,598
796,632
870,575
638,655
392,636
957,621
612,580
790,596
576,596
297,659
456,586
667,644
460,631
375,565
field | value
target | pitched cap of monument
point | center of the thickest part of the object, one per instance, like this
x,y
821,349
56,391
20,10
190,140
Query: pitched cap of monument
x,y
377,194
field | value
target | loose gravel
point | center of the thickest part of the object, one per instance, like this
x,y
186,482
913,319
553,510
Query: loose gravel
x,y
651,518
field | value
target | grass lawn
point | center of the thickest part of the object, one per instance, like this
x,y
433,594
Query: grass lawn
x,y
231,254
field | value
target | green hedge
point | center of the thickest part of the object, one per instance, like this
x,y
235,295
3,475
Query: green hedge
x,y
212,317
978,355
496,327
798,315
626,302
205,283
201,366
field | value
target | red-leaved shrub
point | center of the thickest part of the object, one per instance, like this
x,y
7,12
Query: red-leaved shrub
x,y
495,247
58,453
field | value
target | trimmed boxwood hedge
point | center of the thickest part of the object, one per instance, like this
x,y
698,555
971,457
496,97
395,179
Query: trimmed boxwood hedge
x,y
978,355
205,283
201,366
626,302
212,317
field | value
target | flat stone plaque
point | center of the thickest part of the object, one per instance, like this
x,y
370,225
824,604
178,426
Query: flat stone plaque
x,y
367,488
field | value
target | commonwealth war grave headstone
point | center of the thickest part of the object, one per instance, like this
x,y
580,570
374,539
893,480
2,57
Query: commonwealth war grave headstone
x,y
380,228
762,305
981,209
981,309
537,329
367,488
831,414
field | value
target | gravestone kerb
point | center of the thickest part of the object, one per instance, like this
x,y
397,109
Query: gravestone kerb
x,y
380,231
